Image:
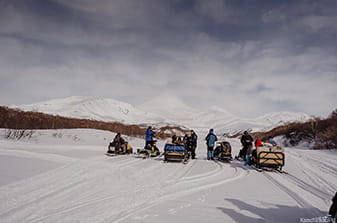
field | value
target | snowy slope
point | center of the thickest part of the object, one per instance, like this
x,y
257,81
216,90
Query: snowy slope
x,y
162,110
64,176
216,117
280,118
97,108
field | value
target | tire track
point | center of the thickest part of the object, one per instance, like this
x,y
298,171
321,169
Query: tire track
x,y
29,204
189,178
93,168
46,186
174,195
112,197
315,176
305,186
300,201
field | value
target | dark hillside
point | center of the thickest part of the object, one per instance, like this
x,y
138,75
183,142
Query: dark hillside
x,y
17,119
322,132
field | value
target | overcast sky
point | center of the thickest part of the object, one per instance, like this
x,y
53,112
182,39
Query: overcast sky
x,y
249,57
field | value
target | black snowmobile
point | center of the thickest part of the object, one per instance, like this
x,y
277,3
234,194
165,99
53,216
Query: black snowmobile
x,y
223,151
119,149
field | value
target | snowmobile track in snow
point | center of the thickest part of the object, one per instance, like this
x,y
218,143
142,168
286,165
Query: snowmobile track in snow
x,y
300,201
121,163
186,191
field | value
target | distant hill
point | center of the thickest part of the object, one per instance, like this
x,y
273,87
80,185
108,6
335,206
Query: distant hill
x,y
160,111
320,133
16,119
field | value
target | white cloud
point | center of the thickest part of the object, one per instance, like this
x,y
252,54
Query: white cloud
x,y
133,51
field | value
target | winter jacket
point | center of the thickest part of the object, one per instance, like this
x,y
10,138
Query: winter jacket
x,y
194,139
211,139
149,135
258,143
247,140
118,140
272,141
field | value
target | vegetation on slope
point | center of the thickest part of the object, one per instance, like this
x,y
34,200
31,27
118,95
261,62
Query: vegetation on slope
x,y
321,132
17,119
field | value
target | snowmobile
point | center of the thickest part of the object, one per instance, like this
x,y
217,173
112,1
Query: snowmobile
x,y
113,149
268,156
150,151
176,152
223,151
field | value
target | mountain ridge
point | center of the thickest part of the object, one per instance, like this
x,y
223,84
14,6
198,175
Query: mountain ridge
x,y
160,111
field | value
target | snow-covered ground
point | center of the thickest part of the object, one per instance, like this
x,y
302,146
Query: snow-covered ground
x,y
64,176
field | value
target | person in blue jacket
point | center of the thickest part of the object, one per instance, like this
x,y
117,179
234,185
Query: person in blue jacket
x,y
272,141
149,137
210,142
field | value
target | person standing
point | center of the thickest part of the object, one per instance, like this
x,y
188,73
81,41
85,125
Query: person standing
x,y
174,139
194,139
247,143
185,140
149,137
210,142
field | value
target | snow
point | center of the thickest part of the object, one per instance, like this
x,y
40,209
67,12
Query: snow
x,y
161,111
96,108
64,176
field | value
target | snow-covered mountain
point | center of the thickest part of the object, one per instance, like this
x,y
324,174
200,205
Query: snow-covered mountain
x,y
96,108
176,111
162,110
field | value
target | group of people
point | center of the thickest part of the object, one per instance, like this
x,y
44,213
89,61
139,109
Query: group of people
x,y
248,151
190,142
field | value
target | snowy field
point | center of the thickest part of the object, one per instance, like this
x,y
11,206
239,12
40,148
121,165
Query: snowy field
x,y
64,176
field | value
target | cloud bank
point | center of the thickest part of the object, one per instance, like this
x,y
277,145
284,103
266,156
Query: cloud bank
x,y
249,57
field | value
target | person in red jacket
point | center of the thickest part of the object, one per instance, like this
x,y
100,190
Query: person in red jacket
x,y
258,143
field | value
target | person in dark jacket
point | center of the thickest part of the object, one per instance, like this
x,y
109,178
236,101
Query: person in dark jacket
x,y
174,139
119,142
333,209
188,142
194,139
210,142
247,143
149,137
